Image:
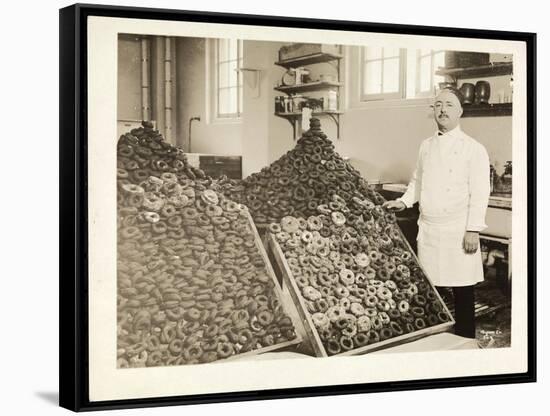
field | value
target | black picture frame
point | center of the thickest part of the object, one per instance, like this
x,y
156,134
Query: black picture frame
x,y
73,278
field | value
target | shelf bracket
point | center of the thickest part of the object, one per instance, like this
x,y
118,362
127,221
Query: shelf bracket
x,y
336,119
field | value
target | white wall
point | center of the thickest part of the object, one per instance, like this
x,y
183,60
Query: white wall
x,y
207,136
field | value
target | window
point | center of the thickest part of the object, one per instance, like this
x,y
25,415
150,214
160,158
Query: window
x,y
393,73
427,62
382,73
229,78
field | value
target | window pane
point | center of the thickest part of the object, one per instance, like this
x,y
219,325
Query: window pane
x,y
373,52
373,78
233,74
223,102
391,75
233,100
425,73
233,52
391,52
223,75
222,50
439,59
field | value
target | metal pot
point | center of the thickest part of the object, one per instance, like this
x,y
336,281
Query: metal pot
x,y
468,91
482,92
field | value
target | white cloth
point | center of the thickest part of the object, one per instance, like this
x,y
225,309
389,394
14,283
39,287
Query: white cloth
x,y
451,183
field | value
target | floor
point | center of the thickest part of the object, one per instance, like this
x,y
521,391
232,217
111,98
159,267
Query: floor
x,y
493,312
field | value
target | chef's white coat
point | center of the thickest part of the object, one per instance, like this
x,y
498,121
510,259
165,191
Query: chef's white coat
x,y
451,183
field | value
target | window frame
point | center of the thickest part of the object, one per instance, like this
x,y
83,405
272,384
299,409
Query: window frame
x,y
427,93
239,86
400,94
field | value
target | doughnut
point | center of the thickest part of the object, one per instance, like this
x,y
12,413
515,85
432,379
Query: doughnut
x,y
347,277
370,273
390,284
384,318
346,343
393,303
334,313
412,290
311,293
213,210
404,270
361,339
176,346
333,347
419,323
384,293
320,320
314,223
419,300
189,213
385,333
265,318
274,228
409,327
174,222
341,291
383,305
383,274
371,301
374,337
417,311
168,211
363,324
345,303
394,314
442,316
362,260
396,329
321,305
390,268
175,314
338,218
290,224
398,276
357,309
225,349
209,196
159,227
192,314
131,232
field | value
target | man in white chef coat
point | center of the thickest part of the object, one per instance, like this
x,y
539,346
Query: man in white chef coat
x,y
451,184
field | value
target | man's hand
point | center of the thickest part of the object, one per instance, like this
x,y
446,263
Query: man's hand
x,y
471,242
394,206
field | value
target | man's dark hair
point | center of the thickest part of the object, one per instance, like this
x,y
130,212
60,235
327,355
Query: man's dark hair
x,y
455,92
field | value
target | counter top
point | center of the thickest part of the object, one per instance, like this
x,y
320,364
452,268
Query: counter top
x,y
494,201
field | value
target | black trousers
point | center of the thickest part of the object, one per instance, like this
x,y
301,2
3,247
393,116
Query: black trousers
x,y
465,325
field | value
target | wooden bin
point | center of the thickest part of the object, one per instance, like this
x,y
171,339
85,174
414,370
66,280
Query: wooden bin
x,y
287,303
310,330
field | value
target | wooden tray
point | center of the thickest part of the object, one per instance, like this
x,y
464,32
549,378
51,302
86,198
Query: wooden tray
x,y
310,330
288,306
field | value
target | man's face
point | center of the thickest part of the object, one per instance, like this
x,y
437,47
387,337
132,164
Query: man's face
x,y
447,110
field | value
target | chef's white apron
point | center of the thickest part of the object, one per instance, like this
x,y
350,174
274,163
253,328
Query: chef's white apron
x,y
441,252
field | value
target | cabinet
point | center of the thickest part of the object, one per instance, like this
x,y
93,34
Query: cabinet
x,y
310,86
481,71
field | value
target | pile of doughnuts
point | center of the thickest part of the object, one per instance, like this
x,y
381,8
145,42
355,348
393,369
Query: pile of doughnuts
x,y
358,280
302,179
193,286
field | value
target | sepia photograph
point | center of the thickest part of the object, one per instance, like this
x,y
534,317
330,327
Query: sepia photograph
x,y
302,207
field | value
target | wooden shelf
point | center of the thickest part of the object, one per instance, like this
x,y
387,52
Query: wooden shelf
x,y
487,110
310,86
316,58
480,71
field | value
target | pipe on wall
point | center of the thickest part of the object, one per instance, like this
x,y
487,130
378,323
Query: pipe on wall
x,y
168,88
145,86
